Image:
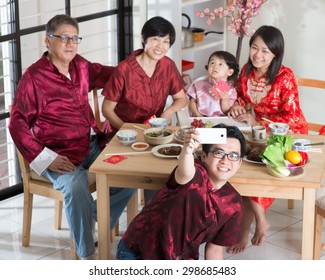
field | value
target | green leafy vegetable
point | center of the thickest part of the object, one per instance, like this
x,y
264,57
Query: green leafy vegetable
x,y
274,153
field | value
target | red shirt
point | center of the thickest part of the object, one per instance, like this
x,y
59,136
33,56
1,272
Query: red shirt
x,y
278,102
138,96
181,217
52,111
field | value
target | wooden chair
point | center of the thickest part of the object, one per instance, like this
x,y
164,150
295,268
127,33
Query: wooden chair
x,y
320,193
38,185
312,127
319,216
312,83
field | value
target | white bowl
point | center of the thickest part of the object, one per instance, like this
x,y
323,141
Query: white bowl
x,y
301,147
127,136
140,146
279,128
158,122
153,136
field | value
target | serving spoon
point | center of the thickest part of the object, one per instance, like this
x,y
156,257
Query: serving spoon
x,y
299,144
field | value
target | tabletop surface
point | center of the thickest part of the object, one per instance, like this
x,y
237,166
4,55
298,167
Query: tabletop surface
x,y
151,165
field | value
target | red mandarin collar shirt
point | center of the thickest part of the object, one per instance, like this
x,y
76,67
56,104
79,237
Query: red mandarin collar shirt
x,y
179,218
53,111
138,96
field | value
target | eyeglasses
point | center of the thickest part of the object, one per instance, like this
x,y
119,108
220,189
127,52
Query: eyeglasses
x,y
233,156
65,38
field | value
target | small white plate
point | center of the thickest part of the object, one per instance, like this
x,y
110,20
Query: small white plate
x,y
252,161
157,154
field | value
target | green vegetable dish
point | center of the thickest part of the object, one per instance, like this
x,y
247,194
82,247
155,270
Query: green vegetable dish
x,y
274,153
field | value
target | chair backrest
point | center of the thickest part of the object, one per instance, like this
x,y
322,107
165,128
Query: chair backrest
x,y
320,84
97,112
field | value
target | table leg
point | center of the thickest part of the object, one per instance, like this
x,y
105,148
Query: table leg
x,y
308,224
103,216
132,208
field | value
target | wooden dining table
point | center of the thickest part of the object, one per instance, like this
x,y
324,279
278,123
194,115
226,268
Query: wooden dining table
x,y
147,171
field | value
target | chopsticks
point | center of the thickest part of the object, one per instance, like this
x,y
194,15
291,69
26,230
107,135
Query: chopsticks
x,y
315,150
138,127
128,153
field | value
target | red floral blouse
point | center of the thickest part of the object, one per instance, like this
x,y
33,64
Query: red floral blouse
x,y
278,102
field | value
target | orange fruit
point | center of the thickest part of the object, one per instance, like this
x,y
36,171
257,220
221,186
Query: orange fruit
x,y
293,156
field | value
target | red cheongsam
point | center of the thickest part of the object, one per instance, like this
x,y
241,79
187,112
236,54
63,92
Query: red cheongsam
x,y
278,102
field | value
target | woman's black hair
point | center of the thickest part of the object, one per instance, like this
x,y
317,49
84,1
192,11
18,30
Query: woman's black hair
x,y
232,132
230,61
158,26
273,39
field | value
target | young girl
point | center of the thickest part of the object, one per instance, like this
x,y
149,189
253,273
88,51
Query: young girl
x,y
215,94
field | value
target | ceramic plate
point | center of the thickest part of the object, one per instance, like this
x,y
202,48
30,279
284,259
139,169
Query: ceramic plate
x,y
157,154
252,161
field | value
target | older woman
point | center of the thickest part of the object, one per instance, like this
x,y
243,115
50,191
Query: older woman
x,y
139,87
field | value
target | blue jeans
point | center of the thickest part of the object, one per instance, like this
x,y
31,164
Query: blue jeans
x,y
124,253
80,207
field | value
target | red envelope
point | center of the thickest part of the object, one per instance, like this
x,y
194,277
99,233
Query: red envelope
x,y
147,121
115,159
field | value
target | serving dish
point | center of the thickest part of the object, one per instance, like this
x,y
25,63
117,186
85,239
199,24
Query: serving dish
x,y
157,151
252,161
158,135
284,171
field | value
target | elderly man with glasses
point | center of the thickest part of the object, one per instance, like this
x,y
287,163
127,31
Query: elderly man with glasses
x,y
53,126
196,205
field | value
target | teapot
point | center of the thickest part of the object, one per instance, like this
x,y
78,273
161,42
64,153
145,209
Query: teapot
x,y
187,34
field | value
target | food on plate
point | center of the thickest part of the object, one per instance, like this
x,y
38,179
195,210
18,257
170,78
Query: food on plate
x,y
254,149
157,134
198,123
254,153
170,151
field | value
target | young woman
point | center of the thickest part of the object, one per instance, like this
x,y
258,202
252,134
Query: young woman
x,y
270,89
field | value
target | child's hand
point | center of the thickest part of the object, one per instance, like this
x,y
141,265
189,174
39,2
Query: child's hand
x,y
223,94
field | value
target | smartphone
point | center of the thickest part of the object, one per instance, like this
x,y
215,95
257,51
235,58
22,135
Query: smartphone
x,y
213,135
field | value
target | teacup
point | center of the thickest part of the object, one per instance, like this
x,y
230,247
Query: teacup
x,y
259,133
